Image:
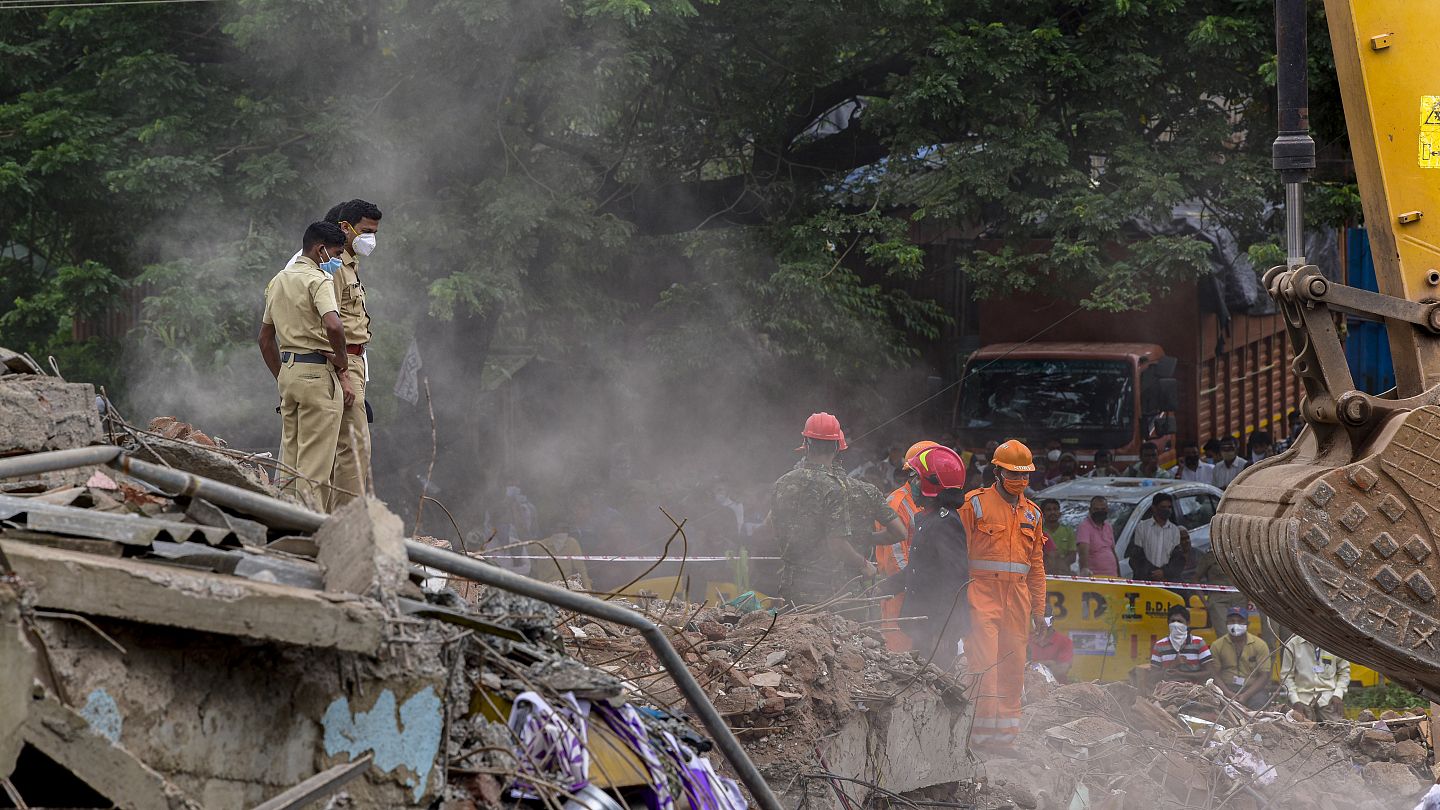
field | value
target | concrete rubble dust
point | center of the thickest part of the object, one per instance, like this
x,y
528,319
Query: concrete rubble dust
x,y
168,651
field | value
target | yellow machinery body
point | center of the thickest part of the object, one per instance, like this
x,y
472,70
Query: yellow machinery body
x,y
1337,538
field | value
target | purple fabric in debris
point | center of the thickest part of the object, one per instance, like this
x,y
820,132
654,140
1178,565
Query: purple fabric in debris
x,y
550,743
626,724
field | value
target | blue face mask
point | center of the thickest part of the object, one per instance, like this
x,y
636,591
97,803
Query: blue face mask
x,y
333,266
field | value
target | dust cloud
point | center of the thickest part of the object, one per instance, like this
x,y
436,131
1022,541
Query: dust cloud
x,y
658,401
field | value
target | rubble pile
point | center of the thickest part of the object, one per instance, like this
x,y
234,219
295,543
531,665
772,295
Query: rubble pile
x,y
807,693
175,633
1108,747
207,643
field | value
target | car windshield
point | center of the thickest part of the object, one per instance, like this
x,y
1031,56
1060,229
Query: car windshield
x,y
1074,510
1058,395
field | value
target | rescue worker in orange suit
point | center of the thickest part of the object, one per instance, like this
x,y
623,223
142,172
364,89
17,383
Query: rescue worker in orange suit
x,y
891,559
939,563
1007,592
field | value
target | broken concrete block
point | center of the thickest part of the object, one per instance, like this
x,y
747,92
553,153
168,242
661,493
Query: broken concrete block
x,y
43,413
362,549
17,671
1390,779
199,460
1376,744
1409,752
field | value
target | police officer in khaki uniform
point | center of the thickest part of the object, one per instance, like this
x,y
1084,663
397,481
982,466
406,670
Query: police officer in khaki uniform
x,y
359,220
303,343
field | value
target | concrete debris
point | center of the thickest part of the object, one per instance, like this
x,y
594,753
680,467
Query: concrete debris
x,y
1190,746
168,653
180,445
362,550
17,671
808,694
39,413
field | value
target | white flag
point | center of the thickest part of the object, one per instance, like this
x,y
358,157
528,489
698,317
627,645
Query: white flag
x,y
407,382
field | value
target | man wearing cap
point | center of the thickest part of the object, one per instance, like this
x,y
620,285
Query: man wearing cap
x,y
811,518
1244,660
1007,592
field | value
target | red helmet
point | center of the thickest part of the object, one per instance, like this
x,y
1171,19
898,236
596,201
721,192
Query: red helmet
x,y
823,426
939,468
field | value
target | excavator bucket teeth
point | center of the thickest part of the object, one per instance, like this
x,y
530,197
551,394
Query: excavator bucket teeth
x,y
1346,556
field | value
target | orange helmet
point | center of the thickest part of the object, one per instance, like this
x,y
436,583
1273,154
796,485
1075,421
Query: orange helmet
x,y
917,447
825,427
939,468
1013,456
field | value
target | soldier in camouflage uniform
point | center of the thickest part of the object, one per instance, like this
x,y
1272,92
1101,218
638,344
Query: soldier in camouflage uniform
x,y
869,507
812,520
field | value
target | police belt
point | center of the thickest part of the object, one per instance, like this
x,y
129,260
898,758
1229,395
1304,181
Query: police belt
x,y
996,565
312,357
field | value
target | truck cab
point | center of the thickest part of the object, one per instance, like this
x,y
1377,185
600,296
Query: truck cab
x,y
1085,395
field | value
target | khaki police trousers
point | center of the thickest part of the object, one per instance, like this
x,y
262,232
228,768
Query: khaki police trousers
x,y
352,453
310,404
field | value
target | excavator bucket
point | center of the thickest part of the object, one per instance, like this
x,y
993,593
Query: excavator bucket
x,y
1337,537
1346,555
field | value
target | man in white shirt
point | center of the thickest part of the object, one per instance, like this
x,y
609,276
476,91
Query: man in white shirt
x,y
1192,467
1315,680
1228,466
1160,547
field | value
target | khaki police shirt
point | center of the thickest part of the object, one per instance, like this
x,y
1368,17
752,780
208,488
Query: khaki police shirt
x,y
295,301
350,294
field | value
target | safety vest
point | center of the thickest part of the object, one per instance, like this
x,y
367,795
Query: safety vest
x,y
1006,539
895,557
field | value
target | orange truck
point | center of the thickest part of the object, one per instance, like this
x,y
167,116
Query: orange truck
x,y
1179,369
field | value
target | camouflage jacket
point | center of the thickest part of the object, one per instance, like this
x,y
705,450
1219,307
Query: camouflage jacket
x,y
866,506
810,506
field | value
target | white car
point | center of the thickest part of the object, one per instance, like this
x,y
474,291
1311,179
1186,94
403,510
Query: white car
x,y
1129,500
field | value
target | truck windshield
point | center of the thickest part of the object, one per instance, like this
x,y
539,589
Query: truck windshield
x,y
1070,396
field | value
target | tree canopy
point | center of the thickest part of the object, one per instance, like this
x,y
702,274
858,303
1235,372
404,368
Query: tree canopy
x,y
727,189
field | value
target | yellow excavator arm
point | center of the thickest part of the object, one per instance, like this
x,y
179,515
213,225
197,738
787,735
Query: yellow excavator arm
x,y
1339,537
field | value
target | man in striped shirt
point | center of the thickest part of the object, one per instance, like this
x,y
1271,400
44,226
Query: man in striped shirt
x,y
1181,656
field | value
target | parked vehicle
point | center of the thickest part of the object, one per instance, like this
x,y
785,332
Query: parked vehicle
x,y
1089,385
1129,499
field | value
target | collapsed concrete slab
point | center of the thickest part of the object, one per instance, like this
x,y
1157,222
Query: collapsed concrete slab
x,y
83,745
42,413
17,671
234,722
171,596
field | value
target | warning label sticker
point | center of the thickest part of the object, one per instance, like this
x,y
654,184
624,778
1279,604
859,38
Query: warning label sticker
x,y
1430,132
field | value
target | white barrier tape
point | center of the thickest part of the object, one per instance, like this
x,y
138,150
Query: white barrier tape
x,y
616,558
1174,586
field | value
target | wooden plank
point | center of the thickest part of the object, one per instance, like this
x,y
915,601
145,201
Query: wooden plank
x,y
197,600
318,786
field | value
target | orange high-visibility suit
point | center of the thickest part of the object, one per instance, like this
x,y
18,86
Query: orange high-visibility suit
x,y
1007,588
890,559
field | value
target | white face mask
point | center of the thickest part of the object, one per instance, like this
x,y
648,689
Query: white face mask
x,y
1179,633
365,244
1236,629
1053,455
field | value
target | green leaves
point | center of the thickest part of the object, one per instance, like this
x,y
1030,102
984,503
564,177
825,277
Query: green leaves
x,y
772,181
